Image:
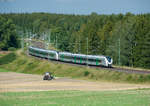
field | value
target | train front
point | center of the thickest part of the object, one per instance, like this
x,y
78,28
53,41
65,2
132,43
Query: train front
x,y
109,61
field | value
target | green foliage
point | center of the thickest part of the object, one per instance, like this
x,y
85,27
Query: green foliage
x,y
7,58
8,34
86,73
107,34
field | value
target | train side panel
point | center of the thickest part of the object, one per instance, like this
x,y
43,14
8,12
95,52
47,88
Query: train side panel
x,y
67,57
43,53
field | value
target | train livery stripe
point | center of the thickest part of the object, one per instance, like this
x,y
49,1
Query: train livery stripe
x,y
62,57
97,61
80,60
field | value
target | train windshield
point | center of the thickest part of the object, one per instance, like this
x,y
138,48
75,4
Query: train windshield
x,y
108,58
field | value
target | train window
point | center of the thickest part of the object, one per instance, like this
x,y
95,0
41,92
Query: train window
x,y
43,53
95,60
65,57
51,54
83,58
34,51
108,58
77,58
92,60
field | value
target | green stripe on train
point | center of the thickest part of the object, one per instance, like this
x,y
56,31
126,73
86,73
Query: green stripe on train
x,y
62,57
97,63
81,60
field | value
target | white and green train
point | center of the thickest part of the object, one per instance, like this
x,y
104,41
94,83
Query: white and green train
x,y
70,57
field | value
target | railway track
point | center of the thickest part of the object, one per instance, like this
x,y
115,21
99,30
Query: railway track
x,y
129,71
41,45
38,44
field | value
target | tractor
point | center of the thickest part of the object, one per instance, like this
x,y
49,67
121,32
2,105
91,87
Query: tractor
x,y
48,76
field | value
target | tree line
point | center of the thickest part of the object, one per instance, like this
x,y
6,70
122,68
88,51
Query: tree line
x,y
124,37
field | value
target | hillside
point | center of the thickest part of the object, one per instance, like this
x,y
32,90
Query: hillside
x,y
19,61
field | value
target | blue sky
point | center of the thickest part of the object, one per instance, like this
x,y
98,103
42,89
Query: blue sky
x,y
76,6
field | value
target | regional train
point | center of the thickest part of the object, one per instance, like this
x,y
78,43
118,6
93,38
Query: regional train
x,y
98,60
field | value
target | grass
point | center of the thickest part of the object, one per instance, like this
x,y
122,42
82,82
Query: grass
x,y
25,64
131,68
7,58
3,70
1,55
32,65
77,98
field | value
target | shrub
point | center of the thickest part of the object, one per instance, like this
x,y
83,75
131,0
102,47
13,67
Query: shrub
x,y
86,73
141,78
129,78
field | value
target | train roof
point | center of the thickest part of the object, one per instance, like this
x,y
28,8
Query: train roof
x,y
71,54
44,50
82,55
66,53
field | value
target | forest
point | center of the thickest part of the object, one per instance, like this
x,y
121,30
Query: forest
x,y
124,37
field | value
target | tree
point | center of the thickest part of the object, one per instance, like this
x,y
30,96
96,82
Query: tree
x,y
105,33
122,42
8,35
142,47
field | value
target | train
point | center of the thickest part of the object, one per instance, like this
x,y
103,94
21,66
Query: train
x,y
96,60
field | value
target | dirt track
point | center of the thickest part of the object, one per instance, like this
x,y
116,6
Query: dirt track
x,y
15,82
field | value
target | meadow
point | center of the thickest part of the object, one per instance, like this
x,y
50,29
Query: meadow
x,y
138,97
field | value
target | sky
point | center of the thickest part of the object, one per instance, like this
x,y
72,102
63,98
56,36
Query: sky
x,y
75,6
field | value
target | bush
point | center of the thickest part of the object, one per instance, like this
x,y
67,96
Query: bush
x,y
141,78
86,73
129,78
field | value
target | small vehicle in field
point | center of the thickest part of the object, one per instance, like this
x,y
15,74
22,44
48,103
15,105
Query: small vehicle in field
x,y
48,76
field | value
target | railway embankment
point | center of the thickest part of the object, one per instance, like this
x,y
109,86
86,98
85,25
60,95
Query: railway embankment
x,y
19,61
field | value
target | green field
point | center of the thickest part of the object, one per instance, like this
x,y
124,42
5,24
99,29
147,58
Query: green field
x,y
77,98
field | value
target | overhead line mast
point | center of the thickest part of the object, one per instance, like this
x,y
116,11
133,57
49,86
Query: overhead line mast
x,y
87,51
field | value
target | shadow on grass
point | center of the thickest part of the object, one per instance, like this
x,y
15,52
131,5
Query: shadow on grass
x,y
7,58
